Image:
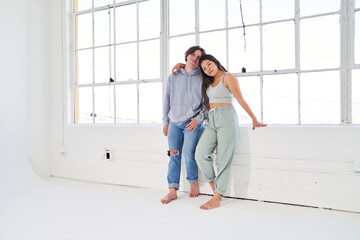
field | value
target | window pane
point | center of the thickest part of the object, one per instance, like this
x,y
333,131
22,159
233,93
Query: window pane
x,y
250,89
211,14
101,28
238,57
250,12
150,99
214,43
126,27
320,98
181,16
126,103
84,30
83,105
279,46
100,3
357,4
84,66
102,68
277,9
149,19
149,66
280,99
357,37
104,104
320,42
80,5
126,62
311,7
178,47
356,96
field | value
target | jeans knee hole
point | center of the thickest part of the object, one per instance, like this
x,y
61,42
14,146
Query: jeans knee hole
x,y
172,152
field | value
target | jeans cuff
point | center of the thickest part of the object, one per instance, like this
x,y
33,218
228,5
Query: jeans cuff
x,y
193,181
174,185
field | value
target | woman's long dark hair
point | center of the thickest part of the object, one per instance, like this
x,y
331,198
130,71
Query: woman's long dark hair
x,y
207,80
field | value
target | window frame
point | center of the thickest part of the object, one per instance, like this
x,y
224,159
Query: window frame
x,y
75,86
346,14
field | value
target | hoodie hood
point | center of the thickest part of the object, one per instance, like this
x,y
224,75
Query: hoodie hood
x,y
195,72
188,77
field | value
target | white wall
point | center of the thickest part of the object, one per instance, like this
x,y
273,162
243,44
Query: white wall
x,y
25,104
299,165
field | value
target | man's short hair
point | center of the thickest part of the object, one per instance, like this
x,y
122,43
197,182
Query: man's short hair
x,y
192,50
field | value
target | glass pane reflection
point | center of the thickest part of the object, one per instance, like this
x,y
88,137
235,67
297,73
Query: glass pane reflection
x,y
320,98
280,99
126,103
150,99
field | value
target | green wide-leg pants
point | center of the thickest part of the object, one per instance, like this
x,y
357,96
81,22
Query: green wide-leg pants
x,y
221,132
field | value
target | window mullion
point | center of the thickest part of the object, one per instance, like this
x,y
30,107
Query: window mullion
x,y
261,64
347,58
114,48
138,61
227,32
350,36
164,46
75,92
110,68
93,63
297,54
197,22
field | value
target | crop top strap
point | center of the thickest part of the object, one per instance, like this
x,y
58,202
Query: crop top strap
x,y
222,79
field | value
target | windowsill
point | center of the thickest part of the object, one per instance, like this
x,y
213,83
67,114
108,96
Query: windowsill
x,y
135,125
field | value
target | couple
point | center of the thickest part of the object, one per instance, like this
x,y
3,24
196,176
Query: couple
x,y
201,86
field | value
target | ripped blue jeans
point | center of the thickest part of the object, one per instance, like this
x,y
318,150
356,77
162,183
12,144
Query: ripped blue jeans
x,y
184,142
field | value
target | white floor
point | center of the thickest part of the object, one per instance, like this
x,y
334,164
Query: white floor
x,y
66,209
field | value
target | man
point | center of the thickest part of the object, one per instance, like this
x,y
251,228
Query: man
x,y
183,115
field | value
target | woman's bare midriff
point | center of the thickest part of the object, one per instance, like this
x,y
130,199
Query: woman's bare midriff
x,y
214,105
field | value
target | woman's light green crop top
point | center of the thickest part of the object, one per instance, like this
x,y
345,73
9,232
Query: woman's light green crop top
x,y
219,93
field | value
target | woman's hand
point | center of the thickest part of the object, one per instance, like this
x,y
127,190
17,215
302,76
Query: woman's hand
x,y
192,125
258,124
176,68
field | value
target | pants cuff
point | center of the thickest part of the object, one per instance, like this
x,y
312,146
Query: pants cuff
x,y
209,180
193,181
222,193
174,185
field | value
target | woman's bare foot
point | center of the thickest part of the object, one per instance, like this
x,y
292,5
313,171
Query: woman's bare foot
x,y
213,203
170,196
194,190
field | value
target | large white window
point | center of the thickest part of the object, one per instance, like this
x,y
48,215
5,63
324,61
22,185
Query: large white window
x,y
117,58
295,59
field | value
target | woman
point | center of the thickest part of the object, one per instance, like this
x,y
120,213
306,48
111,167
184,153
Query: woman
x,y
221,127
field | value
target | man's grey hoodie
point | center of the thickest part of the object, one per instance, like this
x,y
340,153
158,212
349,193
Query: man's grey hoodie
x,y
183,98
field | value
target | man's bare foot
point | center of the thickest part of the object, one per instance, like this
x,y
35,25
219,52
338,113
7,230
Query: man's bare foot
x,y
213,203
170,196
194,190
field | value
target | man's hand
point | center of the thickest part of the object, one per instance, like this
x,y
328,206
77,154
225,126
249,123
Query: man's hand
x,y
192,125
176,68
165,130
